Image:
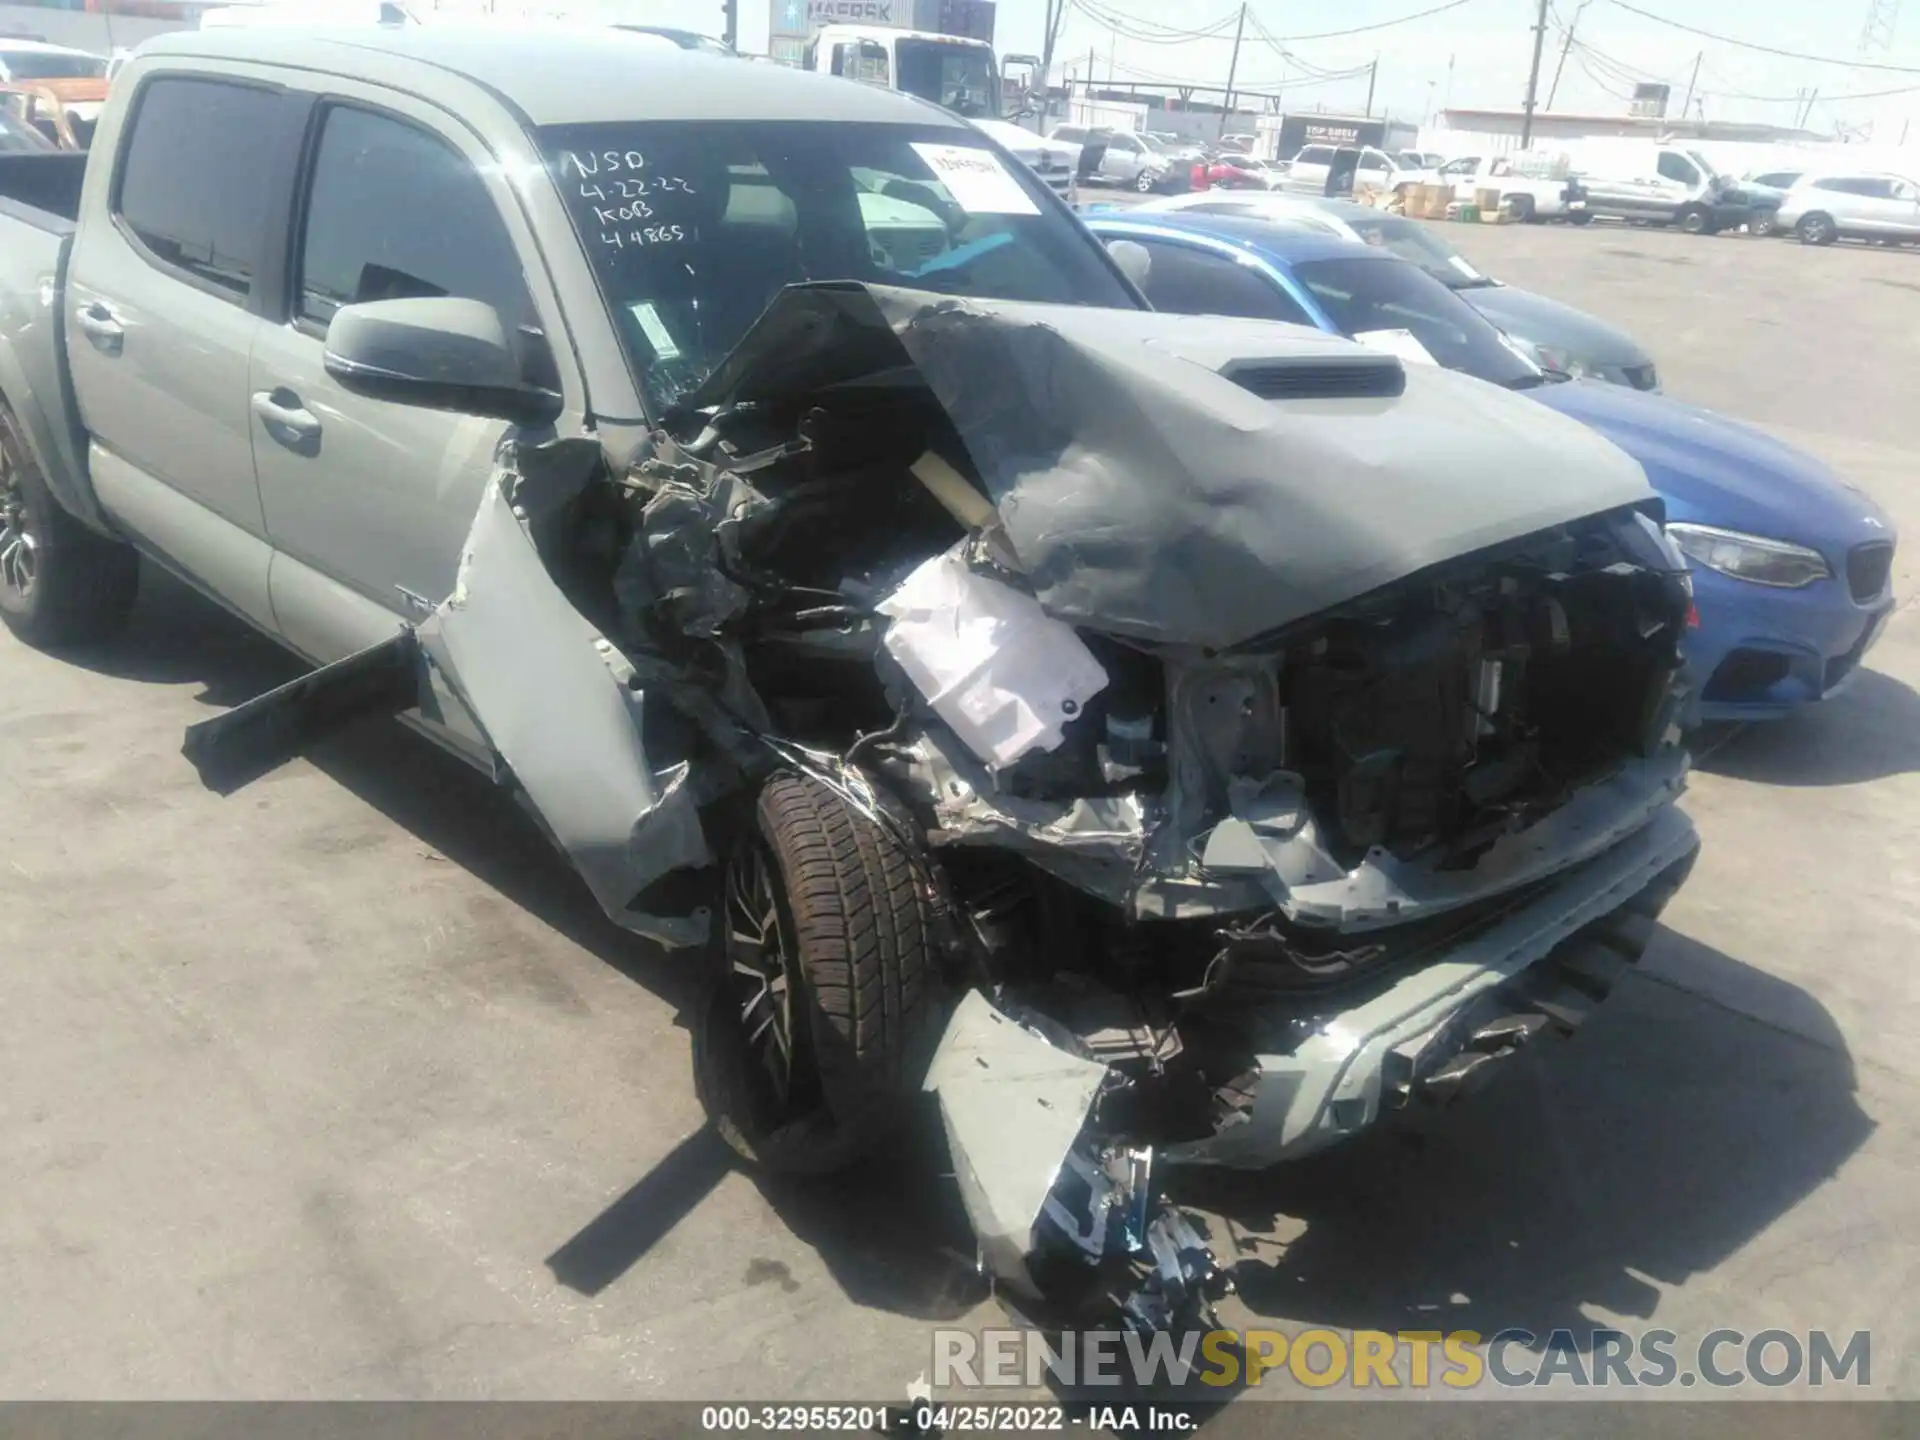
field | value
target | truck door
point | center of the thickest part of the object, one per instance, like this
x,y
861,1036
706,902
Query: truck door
x,y
368,504
1677,183
162,300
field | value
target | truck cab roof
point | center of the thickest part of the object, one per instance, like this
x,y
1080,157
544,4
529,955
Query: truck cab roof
x,y
557,74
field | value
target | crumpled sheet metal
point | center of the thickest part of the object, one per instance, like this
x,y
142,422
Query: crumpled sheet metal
x,y
1314,1093
537,676
1148,496
1381,891
1012,1105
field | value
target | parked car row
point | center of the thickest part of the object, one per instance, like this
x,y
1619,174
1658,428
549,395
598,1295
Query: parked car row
x,y
1792,566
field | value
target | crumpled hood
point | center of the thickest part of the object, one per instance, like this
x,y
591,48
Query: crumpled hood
x,y
1148,495
1540,321
1720,472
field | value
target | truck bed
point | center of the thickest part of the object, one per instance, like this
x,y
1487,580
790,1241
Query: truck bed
x,y
39,201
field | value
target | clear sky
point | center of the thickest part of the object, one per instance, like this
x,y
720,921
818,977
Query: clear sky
x,y
1475,54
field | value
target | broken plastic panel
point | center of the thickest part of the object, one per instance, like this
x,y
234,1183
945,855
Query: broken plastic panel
x,y
1004,675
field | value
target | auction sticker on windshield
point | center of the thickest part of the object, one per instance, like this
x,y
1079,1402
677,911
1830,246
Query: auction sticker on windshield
x,y
977,180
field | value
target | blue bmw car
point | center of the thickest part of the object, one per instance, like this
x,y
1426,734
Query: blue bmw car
x,y
1792,565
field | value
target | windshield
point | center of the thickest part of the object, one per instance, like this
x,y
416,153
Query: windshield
x,y
1364,296
954,76
1412,241
692,229
52,65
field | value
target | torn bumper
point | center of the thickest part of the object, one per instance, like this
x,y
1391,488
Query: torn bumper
x,y
1401,1041
1039,1174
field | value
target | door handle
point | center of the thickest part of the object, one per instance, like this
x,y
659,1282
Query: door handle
x,y
286,419
96,322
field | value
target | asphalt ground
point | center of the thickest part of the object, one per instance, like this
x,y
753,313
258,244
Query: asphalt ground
x,y
341,1087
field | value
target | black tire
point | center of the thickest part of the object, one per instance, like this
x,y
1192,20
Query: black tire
x,y
1817,228
850,919
1695,220
1760,223
1145,182
1579,217
61,584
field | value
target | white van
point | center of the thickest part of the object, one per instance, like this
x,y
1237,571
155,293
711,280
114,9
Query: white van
x,y
1649,180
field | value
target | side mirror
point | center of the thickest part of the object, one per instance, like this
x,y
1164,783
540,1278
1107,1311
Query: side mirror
x,y
1134,259
438,354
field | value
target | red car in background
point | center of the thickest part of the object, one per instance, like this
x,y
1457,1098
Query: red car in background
x,y
1238,172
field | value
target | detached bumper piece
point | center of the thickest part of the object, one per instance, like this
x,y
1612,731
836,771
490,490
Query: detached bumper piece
x,y
1063,1220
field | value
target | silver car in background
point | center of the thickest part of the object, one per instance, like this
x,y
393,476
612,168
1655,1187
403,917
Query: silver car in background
x,y
1131,160
1852,205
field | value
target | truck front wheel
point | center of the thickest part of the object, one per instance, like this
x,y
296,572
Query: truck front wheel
x,y
810,1040
60,583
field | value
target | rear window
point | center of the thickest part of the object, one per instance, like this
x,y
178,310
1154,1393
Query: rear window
x,y
194,180
17,137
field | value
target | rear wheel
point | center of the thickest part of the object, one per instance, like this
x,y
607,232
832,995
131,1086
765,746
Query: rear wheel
x,y
60,583
1817,229
1695,220
1521,208
813,1033
1761,223
1145,181
1579,217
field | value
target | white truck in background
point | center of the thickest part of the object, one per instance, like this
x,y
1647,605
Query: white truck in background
x,y
1533,184
953,71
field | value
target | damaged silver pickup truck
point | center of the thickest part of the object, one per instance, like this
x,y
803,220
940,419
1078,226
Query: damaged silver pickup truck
x,y
1166,740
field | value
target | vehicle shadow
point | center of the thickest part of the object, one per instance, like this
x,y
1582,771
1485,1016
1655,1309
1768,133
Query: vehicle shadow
x,y
1869,732
177,636
1639,1155
892,1232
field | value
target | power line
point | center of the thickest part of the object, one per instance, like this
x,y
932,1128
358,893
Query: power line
x,y
1383,24
1580,59
1854,64
1150,32
1290,57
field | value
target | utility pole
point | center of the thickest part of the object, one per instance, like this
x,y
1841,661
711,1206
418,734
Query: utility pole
x,y
1533,76
1687,104
730,25
1373,73
1056,12
1233,69
1574,24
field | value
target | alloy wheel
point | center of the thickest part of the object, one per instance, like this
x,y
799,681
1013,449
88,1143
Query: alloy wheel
x,y
761,972
19,547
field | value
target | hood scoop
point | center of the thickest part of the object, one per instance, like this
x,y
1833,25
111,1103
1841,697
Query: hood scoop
x,y
1324,376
